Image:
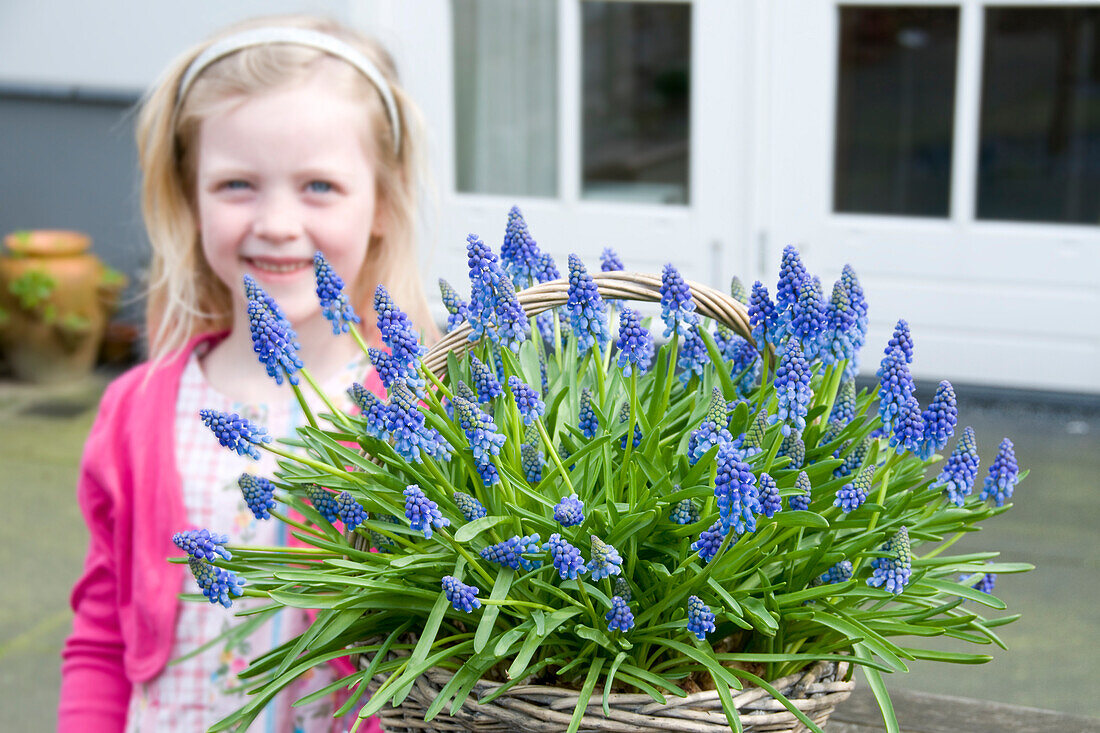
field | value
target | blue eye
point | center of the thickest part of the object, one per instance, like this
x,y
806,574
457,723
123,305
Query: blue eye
x,y
319,186
236,185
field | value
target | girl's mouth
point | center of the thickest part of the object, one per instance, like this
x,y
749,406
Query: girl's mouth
x,y
278,266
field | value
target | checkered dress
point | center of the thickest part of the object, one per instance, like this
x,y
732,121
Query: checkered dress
x,y
194,694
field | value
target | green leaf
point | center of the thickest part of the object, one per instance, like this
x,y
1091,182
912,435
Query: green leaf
x,y
761,618
935,655
801,519
771,690
871,640
489,616
585,694
878,687
958,589
423,645
468,531
610,681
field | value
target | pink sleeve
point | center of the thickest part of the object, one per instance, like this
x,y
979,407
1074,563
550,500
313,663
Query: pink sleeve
x,y
95,691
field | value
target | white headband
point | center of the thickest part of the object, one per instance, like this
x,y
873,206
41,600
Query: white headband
x,y
297,37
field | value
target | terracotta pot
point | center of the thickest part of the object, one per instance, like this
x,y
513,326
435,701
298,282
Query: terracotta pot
x,y
55,301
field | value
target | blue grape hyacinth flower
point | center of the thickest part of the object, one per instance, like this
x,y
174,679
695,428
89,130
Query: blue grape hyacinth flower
x,y
494,309
485,440
587,314
960,469
763,316
677,305
893,572
858,332
610,261
851,496
606,560
837,342
275,344
793,447
738,291
589,421
624,415
791,274
898,407
902,340
792,389
700,619
398,334
693,357
939,420
470,507
800,502
985,581
770,502
569,511
422,512
808,320
510,552
709,542
736,490
259,494
1003,475
635,343
519,252
335,305
375,413
457,309
462,597
565,557
619,618
844,408
838,573
485,382
531,460
712,430
217,584
684,512
530,405
349,510
202,544
235,433
323,501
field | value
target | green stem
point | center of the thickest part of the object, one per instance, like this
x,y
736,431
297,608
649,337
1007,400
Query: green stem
x,y
554,456
287,520
324,398
470,559
510,602
944,546
323,467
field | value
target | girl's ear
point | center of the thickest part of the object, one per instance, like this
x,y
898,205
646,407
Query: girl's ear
x,y
381,217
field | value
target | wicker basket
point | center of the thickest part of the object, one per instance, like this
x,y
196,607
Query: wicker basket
x,y
816,690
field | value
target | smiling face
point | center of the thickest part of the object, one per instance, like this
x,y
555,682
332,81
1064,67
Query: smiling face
x,y
278,177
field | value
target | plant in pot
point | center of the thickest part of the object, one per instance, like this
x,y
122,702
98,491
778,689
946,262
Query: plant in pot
x,y
55,301
546,528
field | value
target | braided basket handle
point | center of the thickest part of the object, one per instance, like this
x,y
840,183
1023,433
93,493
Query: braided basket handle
x,y
615,285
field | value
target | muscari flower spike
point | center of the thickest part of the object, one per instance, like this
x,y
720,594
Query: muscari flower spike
x,y
405,424
770,502
791,274
235,433
531,456
610,261
621,587
587,314
470,507
635,343
457,309
844,408
509,553
530,406
794,448
349,510
851,496
808,320
494,309
893,572
202,544
984,584
619,618
960,469
397,333
684,512
692,358
700,619
712,430
217,584
569,511
753,441
375,413
763,316
800,502
836,340
736,491
898,407
463,597
858,303
389,371
710,540
519,252
738,291
744,365
624,415
855,458
323,502
422,512
565,557
606,560
335,305
274,342
259,494
1003,475
463,390
589,422
485,382
939,420
902,340
677,305
252,291
485,440
792,388
838,573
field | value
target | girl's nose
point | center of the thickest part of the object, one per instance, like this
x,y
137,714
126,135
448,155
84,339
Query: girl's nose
x,y
277,221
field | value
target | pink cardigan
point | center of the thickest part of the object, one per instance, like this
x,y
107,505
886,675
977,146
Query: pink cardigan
x,y
127,597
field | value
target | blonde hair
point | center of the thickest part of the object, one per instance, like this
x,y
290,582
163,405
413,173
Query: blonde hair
x,y
185,297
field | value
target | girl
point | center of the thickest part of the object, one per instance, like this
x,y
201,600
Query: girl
x,y
276,139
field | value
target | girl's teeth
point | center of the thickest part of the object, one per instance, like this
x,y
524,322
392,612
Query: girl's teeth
x,y
273,267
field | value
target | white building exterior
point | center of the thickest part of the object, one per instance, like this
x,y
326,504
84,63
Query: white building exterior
x,y
990,301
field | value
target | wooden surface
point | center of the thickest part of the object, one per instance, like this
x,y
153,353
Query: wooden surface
x,y
922,712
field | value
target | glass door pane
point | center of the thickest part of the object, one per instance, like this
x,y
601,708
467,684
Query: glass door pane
x,y
636,98
895,109
1039,154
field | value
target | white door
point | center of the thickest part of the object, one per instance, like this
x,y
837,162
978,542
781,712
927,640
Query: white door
x,y
610,124
951,153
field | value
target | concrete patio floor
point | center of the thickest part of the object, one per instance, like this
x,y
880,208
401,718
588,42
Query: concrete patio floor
x,y
1052,662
